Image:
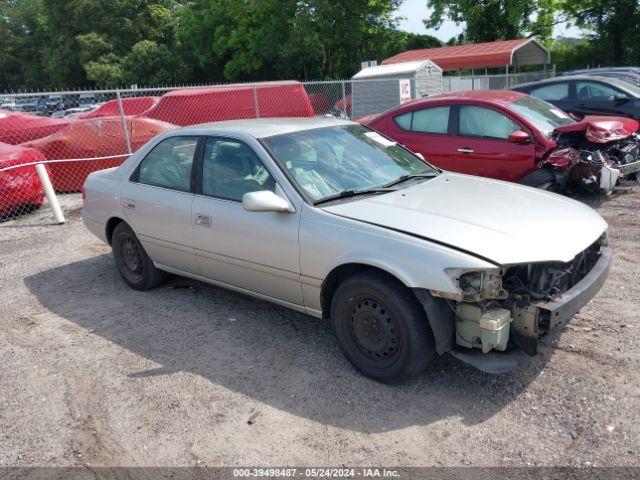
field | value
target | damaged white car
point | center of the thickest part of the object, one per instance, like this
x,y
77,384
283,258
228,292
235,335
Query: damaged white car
x,y
330,218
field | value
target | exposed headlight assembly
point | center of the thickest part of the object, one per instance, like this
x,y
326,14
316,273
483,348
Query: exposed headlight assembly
x,y
476,285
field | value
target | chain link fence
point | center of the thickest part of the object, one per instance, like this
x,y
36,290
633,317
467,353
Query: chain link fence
x,y
51,141
456,83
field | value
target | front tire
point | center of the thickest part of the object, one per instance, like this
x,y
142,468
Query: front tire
x,y
381,328
134,265
542,178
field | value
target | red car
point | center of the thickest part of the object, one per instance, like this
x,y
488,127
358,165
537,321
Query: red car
x,y
19,187
204,105
93,138
131,106
19,127
514,137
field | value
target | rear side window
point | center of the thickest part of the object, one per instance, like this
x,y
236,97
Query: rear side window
x,y
404,121
169,164
484,122
426,120
557,91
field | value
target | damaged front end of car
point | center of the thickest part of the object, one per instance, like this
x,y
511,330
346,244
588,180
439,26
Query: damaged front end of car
x,y
502,315
596,153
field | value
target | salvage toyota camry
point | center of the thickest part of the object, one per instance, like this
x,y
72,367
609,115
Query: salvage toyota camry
x,y
333,219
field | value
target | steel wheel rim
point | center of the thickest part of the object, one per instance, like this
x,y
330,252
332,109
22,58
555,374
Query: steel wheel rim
x,y
374,330
130,259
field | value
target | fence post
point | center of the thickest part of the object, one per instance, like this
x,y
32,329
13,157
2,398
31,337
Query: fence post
x,y
124,122
344,101
255,100
50,193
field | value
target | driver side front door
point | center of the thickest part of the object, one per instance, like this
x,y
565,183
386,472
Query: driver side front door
x,y
254,251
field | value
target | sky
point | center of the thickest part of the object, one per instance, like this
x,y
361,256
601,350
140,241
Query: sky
x,y
415,10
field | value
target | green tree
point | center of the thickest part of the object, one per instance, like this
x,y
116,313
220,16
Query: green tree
x,y
614,29
490,20
265,39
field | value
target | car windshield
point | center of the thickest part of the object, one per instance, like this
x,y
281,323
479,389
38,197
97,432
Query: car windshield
x,y
328,161
544,116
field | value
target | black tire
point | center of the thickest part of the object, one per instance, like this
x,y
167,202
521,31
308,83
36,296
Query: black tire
x,y
381,328
134,265
542,178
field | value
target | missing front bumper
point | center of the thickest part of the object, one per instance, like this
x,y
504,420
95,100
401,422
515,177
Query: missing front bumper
x,y
549,317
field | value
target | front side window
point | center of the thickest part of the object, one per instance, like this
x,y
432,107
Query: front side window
x,y
484,122
169,164
330,160
231,169
593,90
557,91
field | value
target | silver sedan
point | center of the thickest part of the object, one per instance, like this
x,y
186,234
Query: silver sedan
x,y
330,218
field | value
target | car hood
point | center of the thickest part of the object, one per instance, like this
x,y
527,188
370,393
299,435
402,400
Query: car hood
x,y
502,222
600,129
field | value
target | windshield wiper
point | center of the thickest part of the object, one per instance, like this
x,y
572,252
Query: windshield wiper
x,y
409,176
353,193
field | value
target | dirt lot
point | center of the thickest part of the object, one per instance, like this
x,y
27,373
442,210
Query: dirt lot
x,y
95,373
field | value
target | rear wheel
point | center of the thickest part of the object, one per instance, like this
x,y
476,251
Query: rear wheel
x,y
542,178
381,328
134,265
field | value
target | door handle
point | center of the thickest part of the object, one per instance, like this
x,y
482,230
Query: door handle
x,y
203,220
129,203
466,150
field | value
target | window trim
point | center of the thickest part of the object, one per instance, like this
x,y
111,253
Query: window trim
x,y
135,175
199,170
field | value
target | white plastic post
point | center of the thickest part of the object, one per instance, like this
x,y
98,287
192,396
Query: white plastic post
x,y
50,193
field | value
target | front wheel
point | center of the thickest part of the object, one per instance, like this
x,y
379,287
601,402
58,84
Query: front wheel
x,y
542,178
134,265
381,328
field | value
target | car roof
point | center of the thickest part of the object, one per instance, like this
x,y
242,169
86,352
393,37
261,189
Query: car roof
x,y
503,97
565,79
265,127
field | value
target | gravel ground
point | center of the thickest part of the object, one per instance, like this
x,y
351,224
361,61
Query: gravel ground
x,y
94,373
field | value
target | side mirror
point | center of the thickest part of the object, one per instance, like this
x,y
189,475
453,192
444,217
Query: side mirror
x,y
265,201
519,137
621,98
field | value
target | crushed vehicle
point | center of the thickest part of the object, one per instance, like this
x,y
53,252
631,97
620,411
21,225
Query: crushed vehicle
x,y
330,218
515,137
